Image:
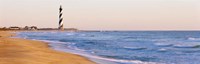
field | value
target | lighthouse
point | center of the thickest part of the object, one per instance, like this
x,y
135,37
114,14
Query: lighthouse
x,y
61,26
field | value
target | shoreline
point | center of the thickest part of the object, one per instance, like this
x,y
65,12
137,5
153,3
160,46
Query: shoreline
x,y
23,51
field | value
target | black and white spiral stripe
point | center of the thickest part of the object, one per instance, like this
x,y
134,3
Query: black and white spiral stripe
x,y
60,18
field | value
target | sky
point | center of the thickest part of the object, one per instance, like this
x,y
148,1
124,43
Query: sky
x,y
103,14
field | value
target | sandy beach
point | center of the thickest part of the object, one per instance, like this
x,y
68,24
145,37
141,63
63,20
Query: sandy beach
x,y
22,51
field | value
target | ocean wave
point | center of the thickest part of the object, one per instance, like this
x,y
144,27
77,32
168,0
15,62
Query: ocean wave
x,y
117,60
126,61
55,45
56,42
191,38
69,34
164,44
153,49
162,50
135,48
191,51
186,46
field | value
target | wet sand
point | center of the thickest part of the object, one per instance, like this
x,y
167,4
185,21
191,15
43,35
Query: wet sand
x,y
22,51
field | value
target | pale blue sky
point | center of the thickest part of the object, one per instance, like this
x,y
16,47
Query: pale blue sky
x,y
104,14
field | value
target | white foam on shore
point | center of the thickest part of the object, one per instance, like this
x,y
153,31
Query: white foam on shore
x,y
60,46
55,45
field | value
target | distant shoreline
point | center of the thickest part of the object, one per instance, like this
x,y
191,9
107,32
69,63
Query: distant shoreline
x,y
74,29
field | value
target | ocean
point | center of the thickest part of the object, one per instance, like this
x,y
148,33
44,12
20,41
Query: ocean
x,y
126,47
